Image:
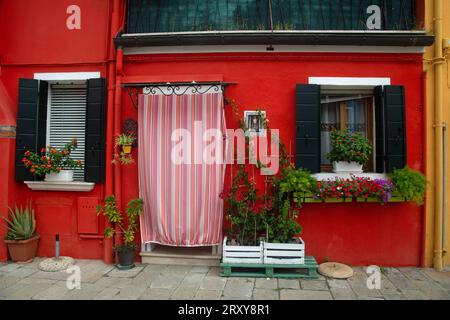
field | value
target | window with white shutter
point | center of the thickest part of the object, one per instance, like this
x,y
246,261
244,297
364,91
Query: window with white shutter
x,y
66,120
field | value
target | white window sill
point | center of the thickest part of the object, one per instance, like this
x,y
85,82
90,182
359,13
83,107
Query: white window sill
x,y
76,186
334,176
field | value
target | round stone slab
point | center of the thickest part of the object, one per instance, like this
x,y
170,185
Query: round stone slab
x,y
54,265
335,270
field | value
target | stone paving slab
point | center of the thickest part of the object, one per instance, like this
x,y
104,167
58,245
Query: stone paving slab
x,y
289,294
163,282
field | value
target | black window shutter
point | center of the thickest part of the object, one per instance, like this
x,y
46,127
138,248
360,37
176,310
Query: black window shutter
x,y
31,122
390,128
379,130
308,127
395,136
94,161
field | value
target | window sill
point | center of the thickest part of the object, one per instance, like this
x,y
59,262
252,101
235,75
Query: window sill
x,y
60,186
335,176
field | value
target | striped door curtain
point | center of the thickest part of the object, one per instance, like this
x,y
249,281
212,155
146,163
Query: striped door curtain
x,y
181,200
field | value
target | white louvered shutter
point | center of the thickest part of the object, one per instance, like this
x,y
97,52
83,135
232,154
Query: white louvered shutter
x,y
67,120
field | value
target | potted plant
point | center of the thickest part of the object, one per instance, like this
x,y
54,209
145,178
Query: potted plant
x,y
56,165
113,214
21,239
125,141
350,151
282,244
243,210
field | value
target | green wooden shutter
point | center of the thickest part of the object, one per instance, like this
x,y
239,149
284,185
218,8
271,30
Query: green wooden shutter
x,y
308,127
390,118
31,122
95,130
395,137
379,130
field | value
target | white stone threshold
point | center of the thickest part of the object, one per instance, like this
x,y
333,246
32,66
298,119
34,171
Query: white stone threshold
x,y
334,176
60,186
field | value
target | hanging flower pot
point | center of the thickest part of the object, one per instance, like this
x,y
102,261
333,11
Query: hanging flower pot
x,y
127,148
62,176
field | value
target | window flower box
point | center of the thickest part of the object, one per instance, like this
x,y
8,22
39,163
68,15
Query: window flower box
x,y
242,254
285,253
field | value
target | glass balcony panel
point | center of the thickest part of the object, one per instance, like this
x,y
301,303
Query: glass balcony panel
x,y
152,16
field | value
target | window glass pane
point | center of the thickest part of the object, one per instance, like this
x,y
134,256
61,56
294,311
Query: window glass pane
x,y
356,116
329,121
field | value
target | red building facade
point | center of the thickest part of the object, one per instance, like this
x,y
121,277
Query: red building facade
x,y
43,40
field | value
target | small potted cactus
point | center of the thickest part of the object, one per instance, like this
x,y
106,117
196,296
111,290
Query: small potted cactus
x,y
22,239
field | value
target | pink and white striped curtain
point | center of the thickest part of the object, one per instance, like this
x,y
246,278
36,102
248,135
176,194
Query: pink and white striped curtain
x,y
181,201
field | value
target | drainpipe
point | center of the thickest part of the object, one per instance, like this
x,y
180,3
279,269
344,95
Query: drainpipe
x,y
423,249
117,130
439,130
444,192
109,181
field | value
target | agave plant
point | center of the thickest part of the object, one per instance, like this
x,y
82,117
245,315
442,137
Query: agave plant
x,y
22,224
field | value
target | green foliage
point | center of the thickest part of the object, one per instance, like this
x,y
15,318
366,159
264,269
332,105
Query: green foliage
x,y
288,189
113,214
124,139
294,184
349,146
22,224
409,184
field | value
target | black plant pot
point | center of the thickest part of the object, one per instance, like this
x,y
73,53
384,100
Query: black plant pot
x,y
126,258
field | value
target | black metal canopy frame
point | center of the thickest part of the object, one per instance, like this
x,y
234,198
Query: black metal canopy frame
x,y
170,88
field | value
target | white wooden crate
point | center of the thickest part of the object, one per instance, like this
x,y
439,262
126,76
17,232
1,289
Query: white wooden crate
x,y
284,253
242,254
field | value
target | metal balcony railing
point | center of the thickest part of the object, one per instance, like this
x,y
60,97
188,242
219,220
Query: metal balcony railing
x,y
155,16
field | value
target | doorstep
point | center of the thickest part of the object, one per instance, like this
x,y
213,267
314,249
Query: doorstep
x,y
201,256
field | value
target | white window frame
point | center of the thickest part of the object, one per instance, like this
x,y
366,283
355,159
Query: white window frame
x,y
351,83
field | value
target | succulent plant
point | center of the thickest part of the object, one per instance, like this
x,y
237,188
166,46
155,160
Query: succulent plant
x,y
21,225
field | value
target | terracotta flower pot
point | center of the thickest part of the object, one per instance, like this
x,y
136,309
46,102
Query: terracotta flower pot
x,y
127,148
23,251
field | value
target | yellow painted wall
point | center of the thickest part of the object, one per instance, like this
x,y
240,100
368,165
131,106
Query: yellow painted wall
x,y
430,105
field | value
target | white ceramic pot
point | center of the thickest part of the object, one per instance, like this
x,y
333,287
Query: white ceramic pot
x,y
347,167
62,176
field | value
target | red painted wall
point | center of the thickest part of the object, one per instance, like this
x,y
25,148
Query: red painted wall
x,y
35,32
34,38
358,234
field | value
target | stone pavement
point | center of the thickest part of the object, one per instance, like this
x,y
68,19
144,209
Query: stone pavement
x,y
160,282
